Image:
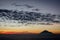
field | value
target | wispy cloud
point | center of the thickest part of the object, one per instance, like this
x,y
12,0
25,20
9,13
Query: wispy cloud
x,y
26,5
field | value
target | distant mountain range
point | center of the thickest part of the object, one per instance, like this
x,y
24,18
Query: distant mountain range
x,y
28,16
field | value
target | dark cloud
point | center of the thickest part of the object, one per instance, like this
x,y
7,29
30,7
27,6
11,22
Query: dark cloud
x,y
36,9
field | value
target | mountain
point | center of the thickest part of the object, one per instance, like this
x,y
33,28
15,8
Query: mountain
x,y
46,34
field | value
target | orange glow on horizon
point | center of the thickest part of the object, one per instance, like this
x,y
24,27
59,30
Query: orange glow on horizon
x,y
55,28
31,31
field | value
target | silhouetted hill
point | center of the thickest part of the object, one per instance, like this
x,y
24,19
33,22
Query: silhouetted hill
x,y
46,34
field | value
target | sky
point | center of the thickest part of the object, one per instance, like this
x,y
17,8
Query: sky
x,y
44,6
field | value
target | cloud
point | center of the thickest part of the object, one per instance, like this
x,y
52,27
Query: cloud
x,y
26,5
36,9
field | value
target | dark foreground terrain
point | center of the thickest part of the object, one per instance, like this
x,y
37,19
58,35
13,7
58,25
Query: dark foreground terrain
x,y
45,35
27,37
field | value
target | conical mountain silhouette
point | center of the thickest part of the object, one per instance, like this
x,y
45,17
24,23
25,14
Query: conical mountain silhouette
x,y
46,33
